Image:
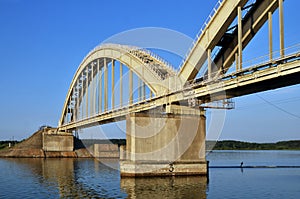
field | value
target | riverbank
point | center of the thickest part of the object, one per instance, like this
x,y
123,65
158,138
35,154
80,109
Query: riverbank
x,y
238,145
32,147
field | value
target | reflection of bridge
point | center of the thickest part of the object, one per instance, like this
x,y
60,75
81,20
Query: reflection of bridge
x,y
163,108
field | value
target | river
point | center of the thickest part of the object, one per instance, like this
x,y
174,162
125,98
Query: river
x,y
90,178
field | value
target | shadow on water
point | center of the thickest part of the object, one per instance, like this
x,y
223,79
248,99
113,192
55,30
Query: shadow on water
x,y
166,187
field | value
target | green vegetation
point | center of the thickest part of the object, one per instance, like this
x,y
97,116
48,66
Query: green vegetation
x,y
237,145
220,145
4,144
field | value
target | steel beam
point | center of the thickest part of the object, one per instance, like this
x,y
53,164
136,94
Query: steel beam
x,y
92,105
112,84
105,85
270,36
139,89
209,63
99,87
121,84
130,86
87,92
240,36
144,90
281,28
82,84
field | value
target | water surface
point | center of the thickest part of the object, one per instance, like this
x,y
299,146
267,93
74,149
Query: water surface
x,y
89,178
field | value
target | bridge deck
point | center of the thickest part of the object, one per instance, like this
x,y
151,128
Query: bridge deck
x,y
270,75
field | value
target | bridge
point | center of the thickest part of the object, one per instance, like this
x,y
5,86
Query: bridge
x,y
164,108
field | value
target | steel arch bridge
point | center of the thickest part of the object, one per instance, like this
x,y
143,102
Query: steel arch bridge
x,y
91,82
144,81
118,82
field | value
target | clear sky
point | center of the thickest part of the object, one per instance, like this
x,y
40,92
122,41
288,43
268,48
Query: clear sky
x,y
43,42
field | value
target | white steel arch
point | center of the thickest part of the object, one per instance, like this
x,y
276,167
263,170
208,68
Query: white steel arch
x,y
150,68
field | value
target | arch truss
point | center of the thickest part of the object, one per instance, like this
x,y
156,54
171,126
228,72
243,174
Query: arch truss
x,y
112,77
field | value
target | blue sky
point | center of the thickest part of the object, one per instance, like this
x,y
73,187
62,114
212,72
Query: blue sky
x,y
43,42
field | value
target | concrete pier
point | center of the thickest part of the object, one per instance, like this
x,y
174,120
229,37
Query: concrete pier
x,y
165,144
57,141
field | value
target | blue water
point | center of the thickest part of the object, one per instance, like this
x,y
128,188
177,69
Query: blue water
x,y
89,178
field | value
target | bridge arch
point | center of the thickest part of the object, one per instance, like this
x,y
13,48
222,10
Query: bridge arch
x,y
152,70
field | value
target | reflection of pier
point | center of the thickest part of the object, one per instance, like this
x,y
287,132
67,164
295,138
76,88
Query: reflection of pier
x,y
170,187
90,178
57,173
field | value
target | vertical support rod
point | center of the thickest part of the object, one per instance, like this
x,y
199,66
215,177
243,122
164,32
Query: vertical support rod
x,y
144,90
112,84
74,104
139,89
96,82
105,85
92,106
236,62
77,101
270,35
144,85
87,93
130,86
209,63
82,84
281,28
151,94
99,87
121,84
240,35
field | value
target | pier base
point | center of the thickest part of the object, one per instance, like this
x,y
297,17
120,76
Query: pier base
x,y
58,142
165,144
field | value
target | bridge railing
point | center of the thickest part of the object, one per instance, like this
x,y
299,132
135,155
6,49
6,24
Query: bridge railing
x,y
249,64
275,55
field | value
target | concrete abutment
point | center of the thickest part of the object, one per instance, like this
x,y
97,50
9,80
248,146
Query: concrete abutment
x,y
165,144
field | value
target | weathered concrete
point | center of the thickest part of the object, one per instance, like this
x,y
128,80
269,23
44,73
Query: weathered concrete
x,y
58,142
32,147
105,151
165,144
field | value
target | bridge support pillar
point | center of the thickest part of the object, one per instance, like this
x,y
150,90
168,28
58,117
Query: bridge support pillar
x,y
57,141
165,144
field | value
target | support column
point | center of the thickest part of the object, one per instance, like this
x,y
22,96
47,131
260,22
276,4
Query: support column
x,y
121,84
236,62
73,105
281,28
139,89
87,93
270,36
160,145
105,85
92,104
144,90
209,63
240,35
112,84
130,86
82,84
99,87
77,101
